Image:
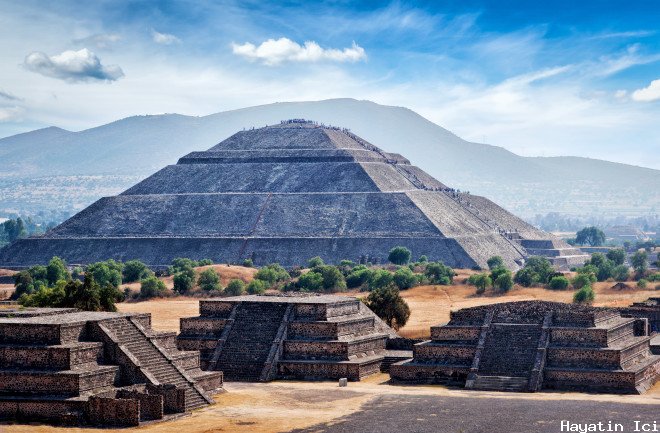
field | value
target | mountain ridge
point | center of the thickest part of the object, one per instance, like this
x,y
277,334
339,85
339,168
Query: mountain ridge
x,y
140,145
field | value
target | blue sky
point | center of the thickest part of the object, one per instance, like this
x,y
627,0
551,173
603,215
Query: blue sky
x,y
539,78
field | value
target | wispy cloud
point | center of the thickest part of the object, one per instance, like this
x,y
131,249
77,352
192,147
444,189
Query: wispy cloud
x,y
8,114
100,41
8,96
276,51
72,66
164,38
649,93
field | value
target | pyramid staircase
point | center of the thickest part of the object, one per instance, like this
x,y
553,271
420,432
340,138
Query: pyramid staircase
x,y
71,367
530,345
259,338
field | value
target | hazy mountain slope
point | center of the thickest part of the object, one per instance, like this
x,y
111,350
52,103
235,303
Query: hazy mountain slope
x,y
140,145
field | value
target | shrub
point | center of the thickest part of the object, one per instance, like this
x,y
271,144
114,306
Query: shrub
x,y
620,273
108,272
481,282
184,281
495,262
617,256
151,287
181,264
248,263
583,280
640,262
387,303
404,278
504,282
272,274
310,282
87,295
209,280
399,255
642,283
314,262
359,276
205,262
135,270
235,288
423,259
380,278
585,295
558,283
438,273
536,270
56,271
333,279
256,287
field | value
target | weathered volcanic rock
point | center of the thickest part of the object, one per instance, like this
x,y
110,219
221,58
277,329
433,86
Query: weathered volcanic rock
x,y
285,193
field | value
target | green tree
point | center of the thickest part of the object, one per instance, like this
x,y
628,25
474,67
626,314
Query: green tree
x,y
504,281
423,259
56,271
314,262
333,279
380,278
235,288
387,303
617,255
23,284
640,262
585,295
135,270
558,283
399,255
359,276
311,281
108,272
642,283
526,277
181,264
582,280
256,287
248,263
438,273
151,287
495,262
13,229
272,274
205,262
592,236
404,278
209,280
184,281
620,273
480,281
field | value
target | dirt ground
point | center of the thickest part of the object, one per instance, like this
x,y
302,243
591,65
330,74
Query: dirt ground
x,y
283,406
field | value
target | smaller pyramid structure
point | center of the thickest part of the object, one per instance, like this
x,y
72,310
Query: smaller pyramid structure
x,y
534,345
285,193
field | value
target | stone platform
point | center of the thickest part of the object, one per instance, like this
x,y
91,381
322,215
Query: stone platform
x,y
70,367
260,338
531,345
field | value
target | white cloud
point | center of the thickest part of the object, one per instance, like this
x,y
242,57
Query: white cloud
x,y
100,40
164,38
648,94
273,52
8,114
72,66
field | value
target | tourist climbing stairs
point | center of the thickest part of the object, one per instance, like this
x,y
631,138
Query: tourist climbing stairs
x,y
153,360
508,357
245,352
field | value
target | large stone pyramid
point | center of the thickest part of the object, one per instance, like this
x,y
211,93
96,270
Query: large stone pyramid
x,y
285,193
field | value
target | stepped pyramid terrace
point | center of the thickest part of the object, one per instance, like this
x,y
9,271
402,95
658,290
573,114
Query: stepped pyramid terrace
x,y
70,367
285,193
264,337
534,345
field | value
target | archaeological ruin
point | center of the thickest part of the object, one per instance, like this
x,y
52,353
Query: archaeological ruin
x,y
70,367
285,193
260,338
534,345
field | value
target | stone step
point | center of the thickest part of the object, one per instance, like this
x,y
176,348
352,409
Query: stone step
x,y
500,383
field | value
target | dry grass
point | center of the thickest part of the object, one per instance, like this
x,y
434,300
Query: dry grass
x,y
5,291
